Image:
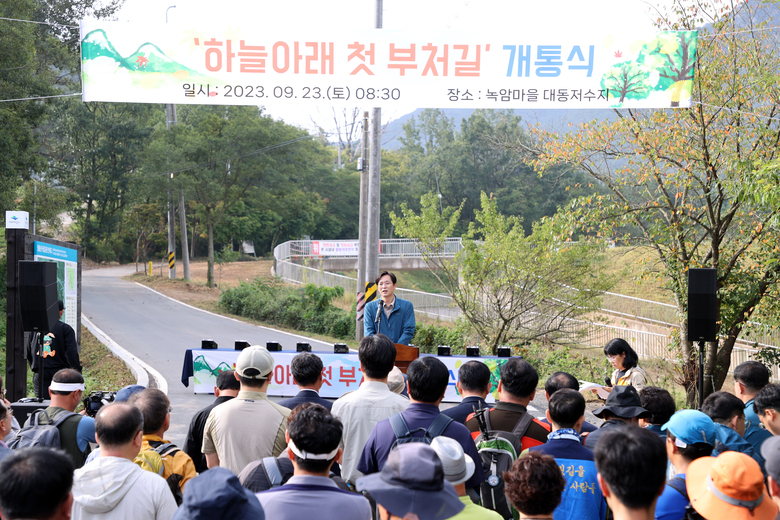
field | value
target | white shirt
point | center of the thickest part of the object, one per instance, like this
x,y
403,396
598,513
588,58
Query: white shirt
x,y
359,411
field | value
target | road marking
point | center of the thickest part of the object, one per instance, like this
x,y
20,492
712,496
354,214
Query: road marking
x,y
228,318
139,369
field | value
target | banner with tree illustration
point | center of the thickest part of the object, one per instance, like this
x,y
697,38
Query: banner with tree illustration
x,y
244,65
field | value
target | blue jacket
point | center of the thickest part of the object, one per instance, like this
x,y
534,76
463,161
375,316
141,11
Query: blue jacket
x,y
582,498
399,327
754,434
305,396
733,441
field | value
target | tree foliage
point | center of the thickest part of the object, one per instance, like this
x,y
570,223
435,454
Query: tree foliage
x,y
512,288
676,178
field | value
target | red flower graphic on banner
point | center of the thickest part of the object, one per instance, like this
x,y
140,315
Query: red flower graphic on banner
x,y
142,61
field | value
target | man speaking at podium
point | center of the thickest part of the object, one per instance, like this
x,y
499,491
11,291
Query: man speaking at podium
x,y
390,315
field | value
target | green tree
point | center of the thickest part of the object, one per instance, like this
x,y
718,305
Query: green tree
x,y
94,150
676,177
672,55
630,80
511,288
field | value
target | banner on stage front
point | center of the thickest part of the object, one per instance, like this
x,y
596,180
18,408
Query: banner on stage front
x,y
245,65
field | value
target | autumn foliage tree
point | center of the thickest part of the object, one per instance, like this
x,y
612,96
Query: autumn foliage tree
x,y
676,179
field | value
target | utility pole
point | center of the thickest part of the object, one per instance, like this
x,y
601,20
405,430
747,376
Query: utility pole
x,y
185,252
169,120
374,180
362,230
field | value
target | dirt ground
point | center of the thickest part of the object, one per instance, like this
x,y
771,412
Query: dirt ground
x,y
195,291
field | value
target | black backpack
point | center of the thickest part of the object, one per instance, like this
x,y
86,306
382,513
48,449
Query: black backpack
x,y
678,485
403,434
46,435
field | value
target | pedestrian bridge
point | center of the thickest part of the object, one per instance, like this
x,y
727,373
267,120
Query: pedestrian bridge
x,y
395,254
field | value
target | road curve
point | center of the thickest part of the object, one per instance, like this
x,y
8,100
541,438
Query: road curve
x,y
157,330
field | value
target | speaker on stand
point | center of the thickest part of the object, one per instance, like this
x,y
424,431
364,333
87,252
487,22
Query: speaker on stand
x,y
702,313
38,304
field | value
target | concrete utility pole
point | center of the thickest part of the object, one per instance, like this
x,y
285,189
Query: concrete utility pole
x,y
363,224
374,181
171,120
185,252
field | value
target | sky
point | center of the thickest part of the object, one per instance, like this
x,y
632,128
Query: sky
x,y
413,15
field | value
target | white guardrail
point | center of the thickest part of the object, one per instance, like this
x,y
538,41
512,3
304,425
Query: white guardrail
x,y
647,344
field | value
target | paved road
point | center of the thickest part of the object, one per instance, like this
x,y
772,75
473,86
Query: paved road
x,y
158,330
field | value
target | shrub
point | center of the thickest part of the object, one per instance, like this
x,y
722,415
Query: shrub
x,y
306,309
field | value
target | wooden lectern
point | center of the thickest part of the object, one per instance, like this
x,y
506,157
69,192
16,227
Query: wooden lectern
x,y
404,355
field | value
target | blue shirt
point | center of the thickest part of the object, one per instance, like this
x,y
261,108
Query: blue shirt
x,y
466,407
417,415
754,434
306,497
582,498
671,504
399,326
655,428
733,441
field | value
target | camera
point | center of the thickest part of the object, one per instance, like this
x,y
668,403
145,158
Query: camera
x,y
95,401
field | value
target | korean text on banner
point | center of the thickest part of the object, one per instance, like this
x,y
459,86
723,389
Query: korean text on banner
x,y
534,68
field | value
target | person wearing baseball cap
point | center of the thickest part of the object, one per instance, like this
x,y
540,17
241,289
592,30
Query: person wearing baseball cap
x,y
458,468
690,435
729,486
412,482
248,427
623,407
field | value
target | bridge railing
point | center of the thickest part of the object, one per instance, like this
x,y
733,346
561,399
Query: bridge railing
x,y
388,248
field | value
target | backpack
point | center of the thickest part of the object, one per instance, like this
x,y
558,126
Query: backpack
x,y
152,460
403,434
273,473
678,485
46,435
498,450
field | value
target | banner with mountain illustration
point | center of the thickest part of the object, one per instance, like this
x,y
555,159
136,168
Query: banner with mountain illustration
x,y
341,373
246,65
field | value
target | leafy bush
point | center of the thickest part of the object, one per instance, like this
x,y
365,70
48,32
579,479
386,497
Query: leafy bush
x,y
550,359
428,337
306,309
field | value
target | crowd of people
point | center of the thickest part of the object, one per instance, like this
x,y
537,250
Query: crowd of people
x,y
388,453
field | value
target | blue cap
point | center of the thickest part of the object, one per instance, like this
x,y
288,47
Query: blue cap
x,y
690,427
127,392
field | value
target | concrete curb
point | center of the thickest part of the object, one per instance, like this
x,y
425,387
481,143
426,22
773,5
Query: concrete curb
x,y
139,369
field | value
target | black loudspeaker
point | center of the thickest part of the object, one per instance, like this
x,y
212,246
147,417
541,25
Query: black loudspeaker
x,y
472,351
302,347
444,350
702,304
241,345
273,346
38,295
208,344
504,351
340,348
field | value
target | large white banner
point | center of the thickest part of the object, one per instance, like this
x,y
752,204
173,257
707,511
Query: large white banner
x,y
341,373
246,65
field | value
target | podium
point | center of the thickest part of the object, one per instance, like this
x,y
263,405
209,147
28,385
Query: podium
x,y
404,355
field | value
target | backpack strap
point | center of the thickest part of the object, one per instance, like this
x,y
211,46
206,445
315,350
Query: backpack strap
x,y
165,448
438,425
678,484
486,415
522,425
400,428
272,471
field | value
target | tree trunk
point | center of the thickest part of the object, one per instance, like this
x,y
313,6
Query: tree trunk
x,y
210,269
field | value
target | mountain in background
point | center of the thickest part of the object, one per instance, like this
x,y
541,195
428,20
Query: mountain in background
x,y
556,120
147,58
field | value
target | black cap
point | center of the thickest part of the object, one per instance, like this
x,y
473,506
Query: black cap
x,y
60,305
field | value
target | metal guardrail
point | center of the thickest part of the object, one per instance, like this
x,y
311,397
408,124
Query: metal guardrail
x,y
388,248
646,344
